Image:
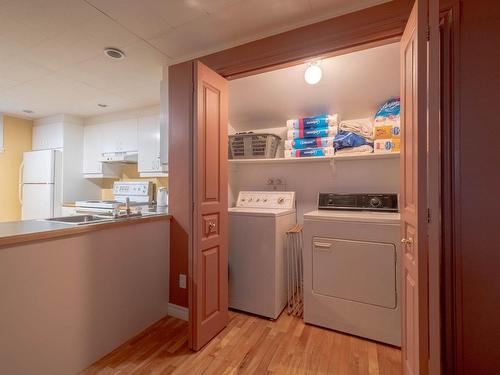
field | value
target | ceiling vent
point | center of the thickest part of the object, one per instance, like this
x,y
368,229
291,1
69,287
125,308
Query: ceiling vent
x,y
114,53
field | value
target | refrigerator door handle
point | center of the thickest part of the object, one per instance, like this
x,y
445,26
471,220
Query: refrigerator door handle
x,y
21,170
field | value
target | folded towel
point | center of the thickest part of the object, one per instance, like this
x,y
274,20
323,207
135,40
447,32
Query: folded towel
x,y
362,127
330,131
349,139
301,143
365,149
307,152
313,122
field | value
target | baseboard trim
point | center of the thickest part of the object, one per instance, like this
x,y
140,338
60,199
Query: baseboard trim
x,y
179,312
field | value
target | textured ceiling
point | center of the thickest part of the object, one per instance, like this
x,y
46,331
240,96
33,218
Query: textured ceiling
x,y
51,51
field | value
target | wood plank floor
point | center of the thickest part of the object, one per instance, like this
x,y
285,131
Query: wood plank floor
x,y
250,345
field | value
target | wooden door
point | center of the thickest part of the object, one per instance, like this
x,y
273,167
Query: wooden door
x,y
208,286
416,116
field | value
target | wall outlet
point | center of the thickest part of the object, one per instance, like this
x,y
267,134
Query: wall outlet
x,y
182,281
276,183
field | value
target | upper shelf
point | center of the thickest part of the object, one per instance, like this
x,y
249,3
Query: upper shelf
x,y
317,159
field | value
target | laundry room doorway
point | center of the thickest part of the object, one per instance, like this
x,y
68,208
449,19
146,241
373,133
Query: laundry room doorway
x,y
416,100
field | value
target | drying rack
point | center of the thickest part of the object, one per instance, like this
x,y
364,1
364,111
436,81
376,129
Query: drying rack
x,y
295,273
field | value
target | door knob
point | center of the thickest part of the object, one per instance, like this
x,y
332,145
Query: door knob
x,y
211,227
407,241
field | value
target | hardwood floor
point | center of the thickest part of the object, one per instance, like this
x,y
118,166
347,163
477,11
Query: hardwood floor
x,y
250,345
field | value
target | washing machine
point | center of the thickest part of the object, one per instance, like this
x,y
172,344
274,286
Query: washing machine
x,y
352,261
257,269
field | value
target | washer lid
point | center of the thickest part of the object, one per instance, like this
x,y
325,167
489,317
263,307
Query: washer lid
x,y
355,216
245,211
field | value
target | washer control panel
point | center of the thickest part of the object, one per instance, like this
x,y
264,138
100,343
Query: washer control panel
x,y
266,199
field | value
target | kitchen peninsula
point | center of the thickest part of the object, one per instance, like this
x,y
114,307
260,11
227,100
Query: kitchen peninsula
x,y
72,293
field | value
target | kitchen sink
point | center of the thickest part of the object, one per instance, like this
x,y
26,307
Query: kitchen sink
x,y
78,219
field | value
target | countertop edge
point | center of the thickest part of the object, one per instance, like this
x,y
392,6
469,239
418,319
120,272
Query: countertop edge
x,y
75,230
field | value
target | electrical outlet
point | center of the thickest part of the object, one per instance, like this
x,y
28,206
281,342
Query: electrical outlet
x,y
182,281
276,183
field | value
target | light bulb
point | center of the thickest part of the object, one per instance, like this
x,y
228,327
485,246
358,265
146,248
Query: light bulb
x,y
313,74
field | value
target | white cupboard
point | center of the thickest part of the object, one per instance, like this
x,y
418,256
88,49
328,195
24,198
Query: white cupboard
x,y
142,134
151,144
48,136
120,136
96,140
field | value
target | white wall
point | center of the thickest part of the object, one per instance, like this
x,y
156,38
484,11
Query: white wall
x,y
67,302
308,179
354,85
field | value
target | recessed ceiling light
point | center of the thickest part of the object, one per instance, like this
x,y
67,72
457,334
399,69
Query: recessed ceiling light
x,y
28,111
102,105
114,53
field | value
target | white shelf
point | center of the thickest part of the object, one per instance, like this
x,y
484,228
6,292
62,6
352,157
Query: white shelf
x,y
316,159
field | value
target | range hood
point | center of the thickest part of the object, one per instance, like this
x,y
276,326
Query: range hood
x,y
125,157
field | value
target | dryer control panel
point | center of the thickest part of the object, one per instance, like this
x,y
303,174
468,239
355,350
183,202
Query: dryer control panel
x,y
266,199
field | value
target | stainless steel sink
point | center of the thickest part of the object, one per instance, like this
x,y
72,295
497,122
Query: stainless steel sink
x,y
78,219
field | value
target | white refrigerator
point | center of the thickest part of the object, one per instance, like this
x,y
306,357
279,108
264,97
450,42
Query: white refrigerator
x,y
40,184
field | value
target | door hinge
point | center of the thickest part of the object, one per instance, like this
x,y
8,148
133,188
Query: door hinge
x,y
428,215
428,32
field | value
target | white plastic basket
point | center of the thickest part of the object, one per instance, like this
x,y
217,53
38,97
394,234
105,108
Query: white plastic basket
x,y
253,146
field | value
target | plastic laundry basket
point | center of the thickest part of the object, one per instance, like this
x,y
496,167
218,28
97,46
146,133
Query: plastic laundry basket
x,y
253,146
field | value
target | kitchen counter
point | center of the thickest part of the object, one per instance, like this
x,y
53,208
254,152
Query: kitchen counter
x,y
32,230
75,293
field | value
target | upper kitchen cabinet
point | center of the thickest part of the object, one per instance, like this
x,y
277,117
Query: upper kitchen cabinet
x,y
152,148
119,136
48,135
98,138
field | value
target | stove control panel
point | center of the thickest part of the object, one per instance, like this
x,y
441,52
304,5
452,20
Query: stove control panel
x,y
266,199
137,191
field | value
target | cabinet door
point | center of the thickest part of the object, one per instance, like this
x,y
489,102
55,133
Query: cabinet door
x,y
92,149
119,136
149,140
47,137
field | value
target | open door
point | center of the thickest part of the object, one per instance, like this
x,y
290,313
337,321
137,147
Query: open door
x,y
208,282
419,111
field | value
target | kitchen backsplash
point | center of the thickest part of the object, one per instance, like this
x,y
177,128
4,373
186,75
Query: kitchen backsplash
x,y
129,173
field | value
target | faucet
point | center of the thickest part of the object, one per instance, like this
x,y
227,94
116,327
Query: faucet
x,y
127,206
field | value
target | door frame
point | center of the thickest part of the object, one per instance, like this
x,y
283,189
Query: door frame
x,y
379,25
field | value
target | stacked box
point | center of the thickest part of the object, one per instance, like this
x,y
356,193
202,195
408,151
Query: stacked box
x,y
387,128
311,136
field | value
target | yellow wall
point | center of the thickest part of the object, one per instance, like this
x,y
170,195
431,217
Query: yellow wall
x,y
129,173
17,139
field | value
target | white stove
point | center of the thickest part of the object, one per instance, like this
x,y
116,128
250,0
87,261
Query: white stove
x,y
139,193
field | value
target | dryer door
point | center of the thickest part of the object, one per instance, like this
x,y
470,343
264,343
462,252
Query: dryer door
x,y
357,271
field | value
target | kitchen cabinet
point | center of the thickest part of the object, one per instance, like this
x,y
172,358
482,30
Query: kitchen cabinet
x,y
96,139
151,143
119,136
48,136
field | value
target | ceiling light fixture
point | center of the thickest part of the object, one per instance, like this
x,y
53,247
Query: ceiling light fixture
x,y
313,73
28,111
102,105
114,53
